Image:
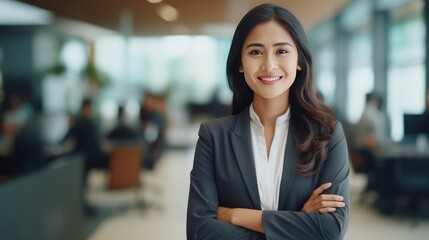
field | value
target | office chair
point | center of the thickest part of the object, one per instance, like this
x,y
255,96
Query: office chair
x,y
124,169
411,177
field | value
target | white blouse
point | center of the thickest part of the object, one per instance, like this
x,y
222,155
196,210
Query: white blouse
x,y
269,170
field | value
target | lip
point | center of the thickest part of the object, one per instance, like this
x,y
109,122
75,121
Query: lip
x,y
269,79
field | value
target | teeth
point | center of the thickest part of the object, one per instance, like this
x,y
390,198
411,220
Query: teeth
x,y
270,79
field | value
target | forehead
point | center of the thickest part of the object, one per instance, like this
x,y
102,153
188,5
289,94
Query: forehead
x,y
269,33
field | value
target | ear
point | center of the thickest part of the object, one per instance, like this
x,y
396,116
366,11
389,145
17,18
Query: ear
x,y
298,67
240,69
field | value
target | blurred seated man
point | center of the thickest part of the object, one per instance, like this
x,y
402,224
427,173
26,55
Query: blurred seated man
x,y
371,130
85,139
12,121
153,124
15,116
371,136
123,133
28,151
21,146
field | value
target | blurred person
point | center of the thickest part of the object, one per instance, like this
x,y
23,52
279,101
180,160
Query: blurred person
x,y
84,137
370,131
153,124
16,115
278,167
15,123
371,138
123,133
28,152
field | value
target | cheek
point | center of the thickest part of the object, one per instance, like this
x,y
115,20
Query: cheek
x,y
292,78
291,68
249,70
291,74
248,79
249,65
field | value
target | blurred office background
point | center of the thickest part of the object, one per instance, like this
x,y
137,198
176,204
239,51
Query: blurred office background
x,y
163,63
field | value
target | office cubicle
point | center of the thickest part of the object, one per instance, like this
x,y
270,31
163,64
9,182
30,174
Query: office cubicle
x,y
44,205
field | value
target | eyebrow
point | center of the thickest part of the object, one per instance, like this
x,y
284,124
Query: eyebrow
x,y
275,44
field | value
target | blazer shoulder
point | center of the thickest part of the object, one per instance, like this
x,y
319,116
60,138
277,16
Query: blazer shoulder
x,y
221,124
338,134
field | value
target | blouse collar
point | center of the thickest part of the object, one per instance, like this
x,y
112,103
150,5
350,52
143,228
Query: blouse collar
x,y
254,118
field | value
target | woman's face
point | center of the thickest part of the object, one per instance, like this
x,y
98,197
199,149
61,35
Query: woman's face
x,y
269,61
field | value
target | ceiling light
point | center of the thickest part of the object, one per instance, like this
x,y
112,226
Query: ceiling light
x,y
154,1
168,13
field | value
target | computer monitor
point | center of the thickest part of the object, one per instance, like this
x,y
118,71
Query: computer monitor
x,y
415,124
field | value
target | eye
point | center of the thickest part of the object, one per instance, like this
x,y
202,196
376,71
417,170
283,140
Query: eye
x,y
281,51
255,52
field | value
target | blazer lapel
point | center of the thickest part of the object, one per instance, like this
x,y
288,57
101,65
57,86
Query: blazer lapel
x,y
242,146
289,167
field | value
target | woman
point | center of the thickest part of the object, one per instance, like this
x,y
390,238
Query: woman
x,y
278,167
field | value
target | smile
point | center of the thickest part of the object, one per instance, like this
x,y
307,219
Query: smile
x,y
269,80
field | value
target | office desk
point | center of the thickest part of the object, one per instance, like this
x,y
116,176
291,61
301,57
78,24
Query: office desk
x,y
400,171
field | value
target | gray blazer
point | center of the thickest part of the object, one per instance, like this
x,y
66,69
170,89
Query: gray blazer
x,y
223,174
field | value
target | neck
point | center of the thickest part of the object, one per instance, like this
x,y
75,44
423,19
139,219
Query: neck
x,y
268,110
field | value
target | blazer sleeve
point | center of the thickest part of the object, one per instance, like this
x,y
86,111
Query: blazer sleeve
x,y
202,220
315,225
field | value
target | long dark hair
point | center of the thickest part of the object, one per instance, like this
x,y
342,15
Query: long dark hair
x,y
311,120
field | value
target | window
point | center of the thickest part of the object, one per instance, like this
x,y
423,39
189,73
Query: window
x,y
406,71
361,74
189,64
326,73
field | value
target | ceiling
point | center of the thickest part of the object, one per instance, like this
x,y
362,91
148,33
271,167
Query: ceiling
x,y
208,17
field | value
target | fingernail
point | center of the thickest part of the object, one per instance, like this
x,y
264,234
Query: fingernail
x,y
340,198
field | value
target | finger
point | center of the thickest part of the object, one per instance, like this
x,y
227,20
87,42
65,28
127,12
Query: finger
x,y
321,188
326,204
327,210
327,201
331,197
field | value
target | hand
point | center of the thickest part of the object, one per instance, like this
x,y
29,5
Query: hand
x,y
323,203
224,214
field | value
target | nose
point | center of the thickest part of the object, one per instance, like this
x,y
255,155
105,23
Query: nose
x,y
269,63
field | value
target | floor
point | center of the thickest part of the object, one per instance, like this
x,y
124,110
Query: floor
x,y
165,193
